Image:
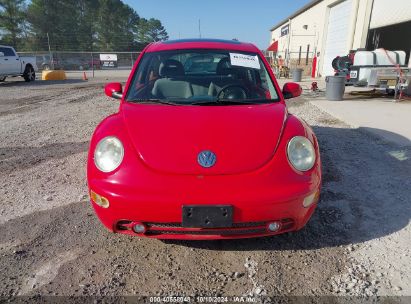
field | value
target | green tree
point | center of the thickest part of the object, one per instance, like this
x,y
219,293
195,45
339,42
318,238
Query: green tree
x,y
89,25
46,20
68,24
151,30
117,25
12,17
87,12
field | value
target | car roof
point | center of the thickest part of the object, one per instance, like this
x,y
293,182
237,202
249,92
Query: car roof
x,y
182,44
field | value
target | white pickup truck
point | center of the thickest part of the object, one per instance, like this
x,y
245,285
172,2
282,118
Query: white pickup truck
x,y
12,65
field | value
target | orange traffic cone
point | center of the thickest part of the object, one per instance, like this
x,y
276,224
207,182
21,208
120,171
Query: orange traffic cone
x,y
84,76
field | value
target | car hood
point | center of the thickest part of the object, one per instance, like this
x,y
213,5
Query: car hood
x,y
170,138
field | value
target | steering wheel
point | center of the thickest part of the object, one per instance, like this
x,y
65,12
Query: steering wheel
x,y
233,91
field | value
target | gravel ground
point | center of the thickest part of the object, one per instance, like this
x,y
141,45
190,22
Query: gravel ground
x,y
357,243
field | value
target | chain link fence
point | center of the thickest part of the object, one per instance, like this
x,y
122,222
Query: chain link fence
x,y
91,61
82,61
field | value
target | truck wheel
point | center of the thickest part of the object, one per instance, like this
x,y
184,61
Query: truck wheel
x,y
2,79
29,74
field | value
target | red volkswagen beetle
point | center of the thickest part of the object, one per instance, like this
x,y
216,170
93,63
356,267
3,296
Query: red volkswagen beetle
x,y
203,147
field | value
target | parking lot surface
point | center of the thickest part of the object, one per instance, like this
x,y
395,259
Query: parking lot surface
x,y
357,243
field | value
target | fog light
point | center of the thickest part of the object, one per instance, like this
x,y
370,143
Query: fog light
x,y
139,228
99,200
312,198
273,227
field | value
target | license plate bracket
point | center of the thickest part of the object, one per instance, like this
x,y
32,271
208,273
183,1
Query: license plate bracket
x,y
200,216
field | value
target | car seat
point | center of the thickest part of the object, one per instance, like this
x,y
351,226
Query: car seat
x,y
171,83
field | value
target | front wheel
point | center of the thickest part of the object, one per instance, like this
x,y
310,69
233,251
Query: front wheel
x,y
29,74
2,79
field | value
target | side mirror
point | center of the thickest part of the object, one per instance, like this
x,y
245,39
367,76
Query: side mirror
x,y
114,90
1,54
291,90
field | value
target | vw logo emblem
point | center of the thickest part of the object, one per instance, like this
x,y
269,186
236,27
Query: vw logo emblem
x,y
206,159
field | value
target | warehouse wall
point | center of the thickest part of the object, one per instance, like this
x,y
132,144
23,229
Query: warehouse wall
x,y
316,19
364,8
313,18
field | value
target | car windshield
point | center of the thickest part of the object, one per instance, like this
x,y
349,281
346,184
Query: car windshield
x,y
201,77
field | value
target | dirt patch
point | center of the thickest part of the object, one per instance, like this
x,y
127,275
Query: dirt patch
x,y
68,252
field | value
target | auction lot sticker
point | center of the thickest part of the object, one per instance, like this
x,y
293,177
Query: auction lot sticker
x,y
243,60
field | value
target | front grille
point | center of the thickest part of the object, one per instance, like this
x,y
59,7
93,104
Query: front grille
x,y
164,225
179,225
123,225
286,224
208,232
250,224
245,228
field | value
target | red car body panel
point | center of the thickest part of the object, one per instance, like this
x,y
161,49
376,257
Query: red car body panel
x,y
248,132
159,173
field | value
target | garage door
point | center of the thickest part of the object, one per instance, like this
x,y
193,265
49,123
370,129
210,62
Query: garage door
x,y
386,12
337,34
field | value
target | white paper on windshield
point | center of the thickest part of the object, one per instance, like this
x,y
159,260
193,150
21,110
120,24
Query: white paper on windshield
x,y
243,60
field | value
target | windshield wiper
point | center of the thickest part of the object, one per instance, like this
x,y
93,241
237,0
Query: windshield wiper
x,y
243,101
233,101
204,102
153,100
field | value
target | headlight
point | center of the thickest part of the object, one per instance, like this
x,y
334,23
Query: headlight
x,y
300,152
108,154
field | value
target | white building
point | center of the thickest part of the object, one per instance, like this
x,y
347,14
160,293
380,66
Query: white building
x,y
331,28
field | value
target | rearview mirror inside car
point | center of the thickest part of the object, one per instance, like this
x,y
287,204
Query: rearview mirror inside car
x,y
291,90
114,90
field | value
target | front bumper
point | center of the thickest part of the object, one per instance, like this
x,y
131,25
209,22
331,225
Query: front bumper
x,y
162,215
140,194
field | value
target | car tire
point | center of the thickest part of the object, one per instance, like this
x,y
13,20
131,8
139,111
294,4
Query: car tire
x,y
3,79
29,74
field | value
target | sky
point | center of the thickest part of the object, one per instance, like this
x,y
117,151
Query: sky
x,y
246,20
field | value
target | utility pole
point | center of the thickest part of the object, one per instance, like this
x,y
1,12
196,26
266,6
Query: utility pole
x,y
199,27
92,57
289,43
51,56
